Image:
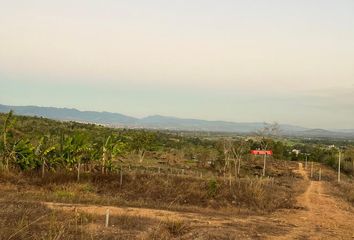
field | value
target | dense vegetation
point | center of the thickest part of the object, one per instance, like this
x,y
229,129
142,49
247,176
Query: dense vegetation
x,y
31,143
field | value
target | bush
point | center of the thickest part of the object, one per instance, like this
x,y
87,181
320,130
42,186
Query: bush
x,y
212,188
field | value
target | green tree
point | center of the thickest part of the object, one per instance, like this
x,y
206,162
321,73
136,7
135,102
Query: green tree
x,y
239,149
142,141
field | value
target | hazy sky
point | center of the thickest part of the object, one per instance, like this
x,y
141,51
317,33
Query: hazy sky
x,y
290,61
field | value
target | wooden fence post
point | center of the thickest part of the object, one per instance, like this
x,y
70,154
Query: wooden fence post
x,y
107,217
121,177
76,216
264,165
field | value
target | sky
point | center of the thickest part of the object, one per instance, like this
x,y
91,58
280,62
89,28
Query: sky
x,y
290,61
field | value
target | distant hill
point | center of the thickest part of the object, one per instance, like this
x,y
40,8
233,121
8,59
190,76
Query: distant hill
x,y
70,114
163,122
323,133
158,121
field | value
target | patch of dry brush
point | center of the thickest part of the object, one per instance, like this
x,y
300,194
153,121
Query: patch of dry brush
x,y
161,190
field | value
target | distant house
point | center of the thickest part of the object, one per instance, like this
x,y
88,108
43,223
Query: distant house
x,y
296,151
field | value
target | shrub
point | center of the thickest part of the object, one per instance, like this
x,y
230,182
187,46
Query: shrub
x,y
212,188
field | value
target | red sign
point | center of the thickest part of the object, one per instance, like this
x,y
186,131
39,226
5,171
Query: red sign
x,y
261,152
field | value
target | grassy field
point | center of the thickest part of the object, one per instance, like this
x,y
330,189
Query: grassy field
x,y
28,216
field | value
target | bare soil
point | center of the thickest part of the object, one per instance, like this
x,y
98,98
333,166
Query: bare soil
x,y
324,216
319,215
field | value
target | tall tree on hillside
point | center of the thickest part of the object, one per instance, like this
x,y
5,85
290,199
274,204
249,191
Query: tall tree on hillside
x,y
224,147
264,137
227,150
239,149
142,141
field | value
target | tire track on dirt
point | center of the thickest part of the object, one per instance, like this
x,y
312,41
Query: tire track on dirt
x,y
324,216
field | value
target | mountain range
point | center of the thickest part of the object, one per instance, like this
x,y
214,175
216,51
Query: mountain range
x,y
163,122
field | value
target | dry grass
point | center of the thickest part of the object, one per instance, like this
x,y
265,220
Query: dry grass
x,y
20,220
29,220
160,191
172,229
176,228
132,223
23,220
344,189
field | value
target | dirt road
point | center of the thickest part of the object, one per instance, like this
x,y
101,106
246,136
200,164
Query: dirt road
x,y
320,216
324,216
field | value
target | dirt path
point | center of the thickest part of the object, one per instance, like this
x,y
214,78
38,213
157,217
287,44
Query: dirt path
x,y
320,216
198,219
324,216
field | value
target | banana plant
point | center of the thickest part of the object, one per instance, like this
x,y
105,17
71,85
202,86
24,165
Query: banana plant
x,y
111,148
67,152
44,152
22,154
7,148
81,153
106,153
18,152
77,150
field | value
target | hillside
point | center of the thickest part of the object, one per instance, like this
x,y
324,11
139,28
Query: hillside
x,y
161,185
172,194
70,114
163,122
